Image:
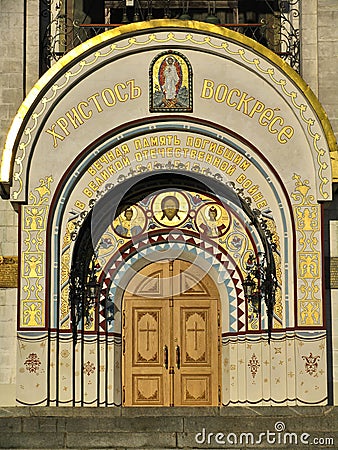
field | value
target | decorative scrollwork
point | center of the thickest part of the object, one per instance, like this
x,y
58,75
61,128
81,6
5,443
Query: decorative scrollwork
x,y
261,270
60,30
285,31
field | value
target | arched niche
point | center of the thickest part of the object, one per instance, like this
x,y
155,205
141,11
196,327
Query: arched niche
x,y
87,128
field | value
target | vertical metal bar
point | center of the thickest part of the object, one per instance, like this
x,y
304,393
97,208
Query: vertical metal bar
x,y
57,353
82,353
98,349
171,334
69,20
73,372
44,25
106,341
24,81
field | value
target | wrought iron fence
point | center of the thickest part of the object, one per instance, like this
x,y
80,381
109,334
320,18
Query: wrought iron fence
x,y
61,29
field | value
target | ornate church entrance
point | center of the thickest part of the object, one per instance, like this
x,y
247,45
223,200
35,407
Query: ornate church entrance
x,y
162,180
171,337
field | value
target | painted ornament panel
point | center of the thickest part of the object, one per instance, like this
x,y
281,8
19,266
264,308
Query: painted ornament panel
x,y
170,82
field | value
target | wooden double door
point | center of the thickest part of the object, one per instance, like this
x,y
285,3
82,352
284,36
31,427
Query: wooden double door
x,y
171,337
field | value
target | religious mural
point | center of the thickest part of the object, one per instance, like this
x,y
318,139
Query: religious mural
x,y
182,215
170,78
131,223
202,107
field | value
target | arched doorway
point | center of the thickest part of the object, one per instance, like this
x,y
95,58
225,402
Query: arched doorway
x,y
171,337
249,113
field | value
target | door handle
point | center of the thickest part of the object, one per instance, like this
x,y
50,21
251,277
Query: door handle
x,y
178,356
165,357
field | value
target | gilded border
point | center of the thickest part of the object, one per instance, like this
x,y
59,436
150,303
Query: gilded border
x,y
5,168
309,264
33,257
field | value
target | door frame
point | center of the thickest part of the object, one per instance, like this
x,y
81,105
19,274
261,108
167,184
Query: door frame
x,y
218,344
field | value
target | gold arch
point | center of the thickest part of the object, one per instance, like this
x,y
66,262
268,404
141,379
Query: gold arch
x,y
8,150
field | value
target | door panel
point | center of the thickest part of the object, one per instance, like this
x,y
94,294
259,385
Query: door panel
x,y
144,340
153,281
196,334
196,390
170,354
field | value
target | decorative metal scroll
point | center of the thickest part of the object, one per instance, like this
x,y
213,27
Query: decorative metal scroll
x,y
285,31
263,268
83,293
84,288
60,30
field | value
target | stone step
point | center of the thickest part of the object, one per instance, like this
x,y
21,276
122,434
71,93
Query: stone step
x,y
169,428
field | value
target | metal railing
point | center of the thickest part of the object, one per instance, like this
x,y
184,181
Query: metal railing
x,y
60,32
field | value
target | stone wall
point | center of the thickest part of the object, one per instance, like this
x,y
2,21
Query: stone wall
x,y
11,96
169,428
19,58
19,71
11,62
327,34
328,59
309,48
319,50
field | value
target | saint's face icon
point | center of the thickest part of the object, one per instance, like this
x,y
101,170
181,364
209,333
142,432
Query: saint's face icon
x,y
212,214
128,214
170,207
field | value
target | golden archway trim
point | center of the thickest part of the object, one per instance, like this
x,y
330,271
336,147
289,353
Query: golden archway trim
x,y
16,127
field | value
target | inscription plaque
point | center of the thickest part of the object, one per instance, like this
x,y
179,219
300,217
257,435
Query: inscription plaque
x,y
8,271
